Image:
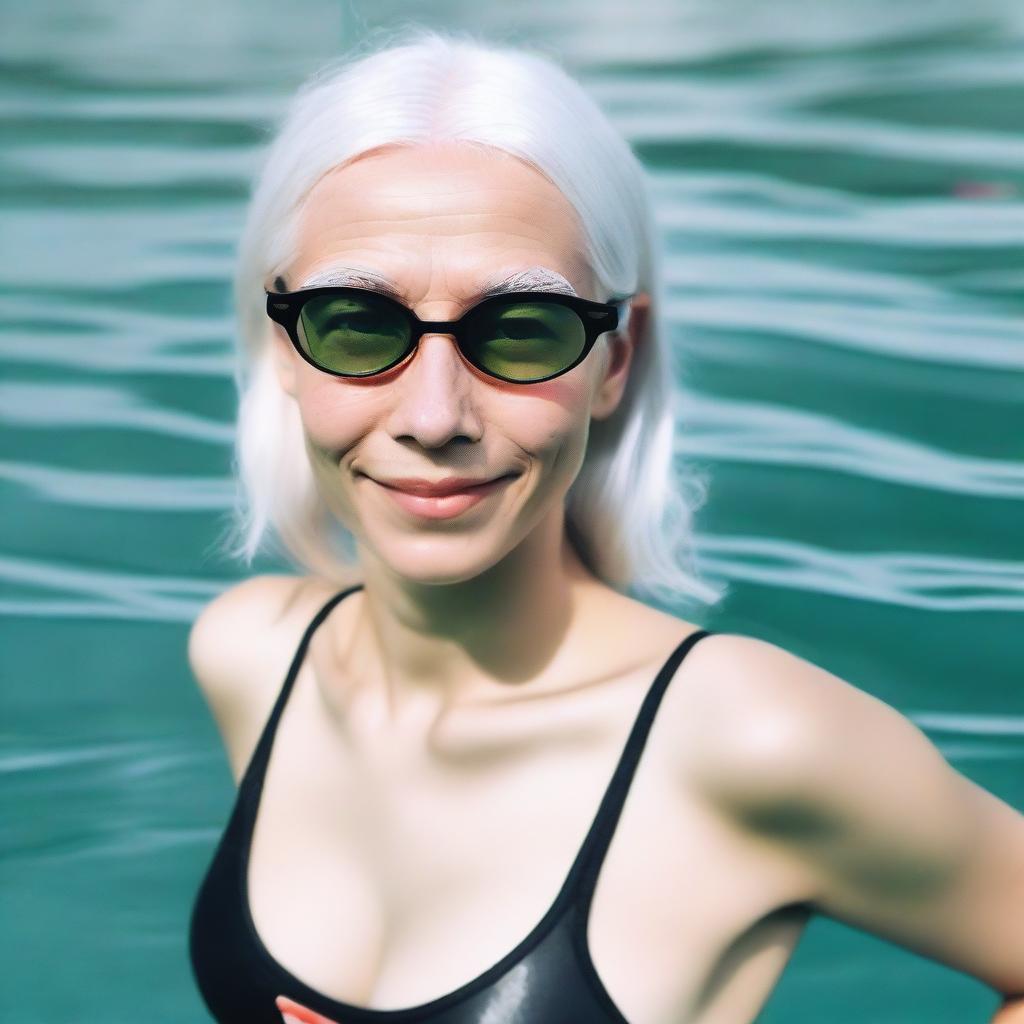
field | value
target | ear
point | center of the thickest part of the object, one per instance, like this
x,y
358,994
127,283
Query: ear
x,y
285,358
622,344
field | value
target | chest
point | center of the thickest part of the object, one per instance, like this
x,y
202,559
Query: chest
x,y
388,884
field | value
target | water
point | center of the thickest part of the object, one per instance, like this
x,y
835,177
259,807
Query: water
x,y
840,187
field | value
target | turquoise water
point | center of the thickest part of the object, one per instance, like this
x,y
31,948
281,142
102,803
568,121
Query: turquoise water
x,y
840,189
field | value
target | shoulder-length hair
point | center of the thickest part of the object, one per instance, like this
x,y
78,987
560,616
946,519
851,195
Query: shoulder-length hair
x,y
628,516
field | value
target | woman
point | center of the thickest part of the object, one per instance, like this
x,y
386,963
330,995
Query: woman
x,y
455,415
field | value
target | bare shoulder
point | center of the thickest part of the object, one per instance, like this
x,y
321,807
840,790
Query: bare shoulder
x,y
240,646
789,748
230,635
885,833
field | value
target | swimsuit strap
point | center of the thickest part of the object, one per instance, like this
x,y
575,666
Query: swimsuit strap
x,y
253,777
595,846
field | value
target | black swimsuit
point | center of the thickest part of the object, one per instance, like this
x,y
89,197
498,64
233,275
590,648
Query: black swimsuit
x,y
548,978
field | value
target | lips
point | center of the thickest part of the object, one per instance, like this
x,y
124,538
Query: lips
x,y
445,506
426,489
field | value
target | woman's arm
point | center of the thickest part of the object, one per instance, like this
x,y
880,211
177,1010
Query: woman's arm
x,y
894,840
1011,1012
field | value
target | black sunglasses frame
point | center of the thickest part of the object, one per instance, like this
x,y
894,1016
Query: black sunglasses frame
x,y
597,318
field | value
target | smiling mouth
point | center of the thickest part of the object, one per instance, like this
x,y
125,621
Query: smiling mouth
x,y
450,485
443,506
422,491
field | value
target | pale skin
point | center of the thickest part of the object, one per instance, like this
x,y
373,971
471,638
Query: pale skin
x,y
455,723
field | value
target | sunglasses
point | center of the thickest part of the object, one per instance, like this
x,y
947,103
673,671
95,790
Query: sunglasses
x,y
519,337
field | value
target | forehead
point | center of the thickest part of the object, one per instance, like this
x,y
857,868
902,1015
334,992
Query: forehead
x,y
440,215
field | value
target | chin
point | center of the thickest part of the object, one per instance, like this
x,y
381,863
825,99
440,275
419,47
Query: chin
x,y
435,561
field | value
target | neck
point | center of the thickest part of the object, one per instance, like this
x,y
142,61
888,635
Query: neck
x,y
417,650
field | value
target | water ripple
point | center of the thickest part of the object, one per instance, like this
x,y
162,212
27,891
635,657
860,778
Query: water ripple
x,y
899,578
103,593
54,405
121,490
729,430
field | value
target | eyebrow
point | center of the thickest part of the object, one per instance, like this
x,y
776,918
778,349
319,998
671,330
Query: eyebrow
x,y
538,279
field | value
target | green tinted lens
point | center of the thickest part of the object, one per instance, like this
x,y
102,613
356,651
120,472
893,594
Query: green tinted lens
x,y
352,334
525,341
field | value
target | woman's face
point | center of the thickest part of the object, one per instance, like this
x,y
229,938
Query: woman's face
x,y
443,223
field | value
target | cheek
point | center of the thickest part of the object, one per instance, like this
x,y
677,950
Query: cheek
x,y
551,425
334,414
544,430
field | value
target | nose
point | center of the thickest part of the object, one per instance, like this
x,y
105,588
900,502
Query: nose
x,y
437,352
435,400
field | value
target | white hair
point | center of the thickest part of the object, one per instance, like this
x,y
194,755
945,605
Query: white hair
x,y
627,515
